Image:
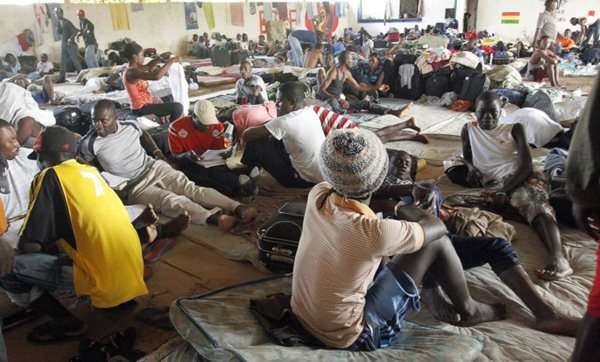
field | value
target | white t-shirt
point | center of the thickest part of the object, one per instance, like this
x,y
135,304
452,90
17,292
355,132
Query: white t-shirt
x,y
539,128
21,172
494,152
302,137
45,67
242,88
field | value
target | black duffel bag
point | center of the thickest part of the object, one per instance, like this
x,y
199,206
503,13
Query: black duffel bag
x,y
73,119
278,238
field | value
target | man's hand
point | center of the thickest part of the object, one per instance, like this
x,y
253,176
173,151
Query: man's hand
x,y
194,156
433,228
588,220
7,258
384,88
474,177
411,213
344,103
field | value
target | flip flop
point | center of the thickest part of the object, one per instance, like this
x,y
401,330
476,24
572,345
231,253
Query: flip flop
x,y
155,317
157,249
53,332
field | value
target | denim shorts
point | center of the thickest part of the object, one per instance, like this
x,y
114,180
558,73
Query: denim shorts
x,y
387,302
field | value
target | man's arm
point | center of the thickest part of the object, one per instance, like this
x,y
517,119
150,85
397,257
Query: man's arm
x,y
433,228
150,146
525,162
255,133
474,176
354,84
25,129
327,82
135,73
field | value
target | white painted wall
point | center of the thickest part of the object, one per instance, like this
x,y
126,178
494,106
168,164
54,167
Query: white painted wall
x,y
160,26
490,11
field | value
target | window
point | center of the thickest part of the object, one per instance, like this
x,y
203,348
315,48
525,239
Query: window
x,y
389,10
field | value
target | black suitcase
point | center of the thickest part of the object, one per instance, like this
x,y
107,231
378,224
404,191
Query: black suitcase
x,y
278,238
437,83
73,119
221,57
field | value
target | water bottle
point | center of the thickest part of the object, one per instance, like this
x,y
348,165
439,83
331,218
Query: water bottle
x,y
228,135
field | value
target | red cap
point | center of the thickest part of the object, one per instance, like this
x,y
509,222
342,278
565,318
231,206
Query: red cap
x,y
81,12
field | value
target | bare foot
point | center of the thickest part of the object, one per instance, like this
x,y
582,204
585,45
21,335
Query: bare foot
x,y
438,306
555,269
246,213
147,217
176,226
226,222
404,111
482,312
148,234
412,124
558,326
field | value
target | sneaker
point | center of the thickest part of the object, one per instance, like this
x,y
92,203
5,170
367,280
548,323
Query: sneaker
x,y
247,186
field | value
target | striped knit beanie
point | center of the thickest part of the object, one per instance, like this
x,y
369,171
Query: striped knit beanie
x,y
354,162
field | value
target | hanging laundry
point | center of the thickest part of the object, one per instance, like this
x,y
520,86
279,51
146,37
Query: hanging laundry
x,y
282,10
252,8
119,16
209,15
237,14
268,11
179,86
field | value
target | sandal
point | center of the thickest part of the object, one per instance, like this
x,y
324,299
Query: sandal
x,y
53,331
157,249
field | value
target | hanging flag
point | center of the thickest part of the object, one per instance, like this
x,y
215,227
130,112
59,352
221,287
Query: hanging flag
x,y
209,15
511,17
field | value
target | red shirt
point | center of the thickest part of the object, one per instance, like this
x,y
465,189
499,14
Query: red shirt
x,y
184,137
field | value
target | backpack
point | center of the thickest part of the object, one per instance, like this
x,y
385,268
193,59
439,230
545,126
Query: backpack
x,y
410,82
438,82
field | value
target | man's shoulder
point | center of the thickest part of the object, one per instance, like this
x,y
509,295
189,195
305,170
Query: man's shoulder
x,y
181,124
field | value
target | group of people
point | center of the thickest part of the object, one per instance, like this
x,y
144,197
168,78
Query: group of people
x,y
356,275
550,45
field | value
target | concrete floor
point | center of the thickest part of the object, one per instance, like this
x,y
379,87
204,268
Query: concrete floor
x,y
185,270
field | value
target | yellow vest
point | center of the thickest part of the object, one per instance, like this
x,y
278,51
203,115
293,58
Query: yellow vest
x,y
107,259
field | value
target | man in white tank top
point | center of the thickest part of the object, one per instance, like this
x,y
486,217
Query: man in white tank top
x,y
498,158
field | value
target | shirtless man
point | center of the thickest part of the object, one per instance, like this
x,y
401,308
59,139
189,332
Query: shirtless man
x,y
544,63
314,57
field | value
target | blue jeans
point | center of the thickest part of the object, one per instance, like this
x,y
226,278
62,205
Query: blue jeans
x,y
91,58
68,55
594,33
33,274
388,300
296,50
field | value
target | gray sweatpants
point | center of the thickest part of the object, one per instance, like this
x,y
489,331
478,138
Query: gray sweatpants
x,y
172,193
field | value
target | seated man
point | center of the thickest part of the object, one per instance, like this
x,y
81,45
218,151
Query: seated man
x,y
343,244
119,148
44,67
76,234
190,137
21,110
543,63
332,89
250,88
287,146
16,176
11,65
565,41
314,57
497,157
